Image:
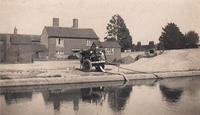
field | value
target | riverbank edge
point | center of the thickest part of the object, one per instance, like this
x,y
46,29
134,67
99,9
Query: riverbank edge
x,y
90,79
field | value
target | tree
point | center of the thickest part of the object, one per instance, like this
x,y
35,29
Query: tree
x,y
117,31
191,39
171,37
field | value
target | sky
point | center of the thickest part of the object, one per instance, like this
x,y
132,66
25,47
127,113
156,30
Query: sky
x,y
143,18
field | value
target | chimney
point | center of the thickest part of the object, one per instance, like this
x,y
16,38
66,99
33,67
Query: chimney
x,y
55,22
15,30
75,23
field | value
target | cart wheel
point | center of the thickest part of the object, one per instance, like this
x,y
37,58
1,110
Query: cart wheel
x,y
98,67
87,65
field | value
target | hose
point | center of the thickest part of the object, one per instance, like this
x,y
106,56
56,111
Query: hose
x,y
157,77
124,76
142,72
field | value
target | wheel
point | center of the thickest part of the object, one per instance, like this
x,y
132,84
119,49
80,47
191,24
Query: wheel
x,y
98,67
87,65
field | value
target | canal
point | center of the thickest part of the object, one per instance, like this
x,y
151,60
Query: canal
x,y
174,96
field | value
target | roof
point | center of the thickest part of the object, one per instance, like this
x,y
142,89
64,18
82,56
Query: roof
x,y
39,47
107,44
64,32
21,38
27,36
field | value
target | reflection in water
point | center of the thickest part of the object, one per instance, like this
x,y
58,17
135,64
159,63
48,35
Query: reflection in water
x,y
90,95
17,97
171,95
59,97
93,95
117,98
106,100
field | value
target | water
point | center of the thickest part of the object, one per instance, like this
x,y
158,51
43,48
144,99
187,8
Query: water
x,y
179,96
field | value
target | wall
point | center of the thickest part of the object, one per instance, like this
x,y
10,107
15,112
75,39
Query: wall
x,y
52,48
25,53
2,51
12,54
44,38
19,53
42,55
116,55
39,51
71,44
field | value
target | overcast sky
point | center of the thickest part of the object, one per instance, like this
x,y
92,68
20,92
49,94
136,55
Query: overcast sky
x,y
144,18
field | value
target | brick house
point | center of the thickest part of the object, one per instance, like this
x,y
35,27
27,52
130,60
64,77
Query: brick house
x,y
63,41
16,48
112,49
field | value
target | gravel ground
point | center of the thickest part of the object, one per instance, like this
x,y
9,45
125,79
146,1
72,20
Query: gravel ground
x,y
42,69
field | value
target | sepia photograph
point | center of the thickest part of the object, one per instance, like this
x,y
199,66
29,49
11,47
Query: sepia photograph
x,y
99,57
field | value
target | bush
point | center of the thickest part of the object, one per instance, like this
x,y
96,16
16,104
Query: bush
x,y
191,39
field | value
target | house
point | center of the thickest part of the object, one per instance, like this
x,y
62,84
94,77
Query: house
x,y
63,41
16,48
112,49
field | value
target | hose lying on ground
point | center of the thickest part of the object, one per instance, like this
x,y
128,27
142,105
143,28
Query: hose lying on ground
x,y
142,72
134,71
124,76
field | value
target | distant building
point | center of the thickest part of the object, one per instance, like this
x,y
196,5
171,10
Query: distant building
x,y
112,49
140,47
63,41
17,48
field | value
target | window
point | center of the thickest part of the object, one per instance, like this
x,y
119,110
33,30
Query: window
x,y
60,42
37,54
109,51
60,52
88,43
